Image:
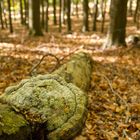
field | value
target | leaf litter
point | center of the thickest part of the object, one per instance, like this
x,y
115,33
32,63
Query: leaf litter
x,y
114,96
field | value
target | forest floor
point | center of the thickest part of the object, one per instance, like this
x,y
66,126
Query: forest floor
x,y
114,96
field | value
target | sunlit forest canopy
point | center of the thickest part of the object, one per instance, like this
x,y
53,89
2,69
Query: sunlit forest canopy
x,y
39,36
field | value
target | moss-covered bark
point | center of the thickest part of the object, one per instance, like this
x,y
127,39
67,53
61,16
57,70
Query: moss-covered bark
x,y
13,126
77,70
52,103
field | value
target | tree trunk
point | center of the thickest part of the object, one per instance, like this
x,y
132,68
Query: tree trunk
x,y
54,12
4,15
138,17
85,16
95,16
34,18
66,98
21,12
60,16
1,17
69,15
136,10
116,33
47,16
63,11
103,14
42,14
26,13
77,9
10,18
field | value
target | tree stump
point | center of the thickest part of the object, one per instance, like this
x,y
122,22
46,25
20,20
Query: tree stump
x,y
51,106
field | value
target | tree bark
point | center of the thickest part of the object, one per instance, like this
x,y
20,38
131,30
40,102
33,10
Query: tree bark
x,y
116,33
1,17
54,12
85,16
60,16
10,17
34,18
42,14
21,12
104,12
95,16
47,16
26,13
136,11
69,15
27,126
13,126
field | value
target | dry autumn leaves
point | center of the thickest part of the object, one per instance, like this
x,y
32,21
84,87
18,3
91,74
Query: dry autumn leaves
x,y
114,96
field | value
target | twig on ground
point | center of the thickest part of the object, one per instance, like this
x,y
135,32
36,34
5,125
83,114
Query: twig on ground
x,y
48,54
117,94
110,85
69,54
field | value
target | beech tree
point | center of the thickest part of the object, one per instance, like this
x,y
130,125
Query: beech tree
x,y
137,14
1,17
10,17
34,17
95,16
69,15
47,16
116,32
54,12
85,15
21,12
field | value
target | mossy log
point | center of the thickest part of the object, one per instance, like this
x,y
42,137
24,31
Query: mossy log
x,y
51,106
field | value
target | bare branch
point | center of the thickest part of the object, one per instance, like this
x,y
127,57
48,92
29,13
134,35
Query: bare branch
x,y
117,94
47,54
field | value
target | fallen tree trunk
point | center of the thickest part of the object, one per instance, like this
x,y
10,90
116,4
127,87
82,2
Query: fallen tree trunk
x,y
51,106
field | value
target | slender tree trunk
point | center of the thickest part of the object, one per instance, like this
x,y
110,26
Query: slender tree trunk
x,y
138,16
47,17
60,16
5,20
63,11
42,14
1,17
10,18
54,12
85,16
69,15
77,9
136,11
21,12
34,18
95,16
26,11
4,15
103,14
118,13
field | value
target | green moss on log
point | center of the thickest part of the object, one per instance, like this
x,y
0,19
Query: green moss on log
x,y
12,125
48,99
56,101
77,70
